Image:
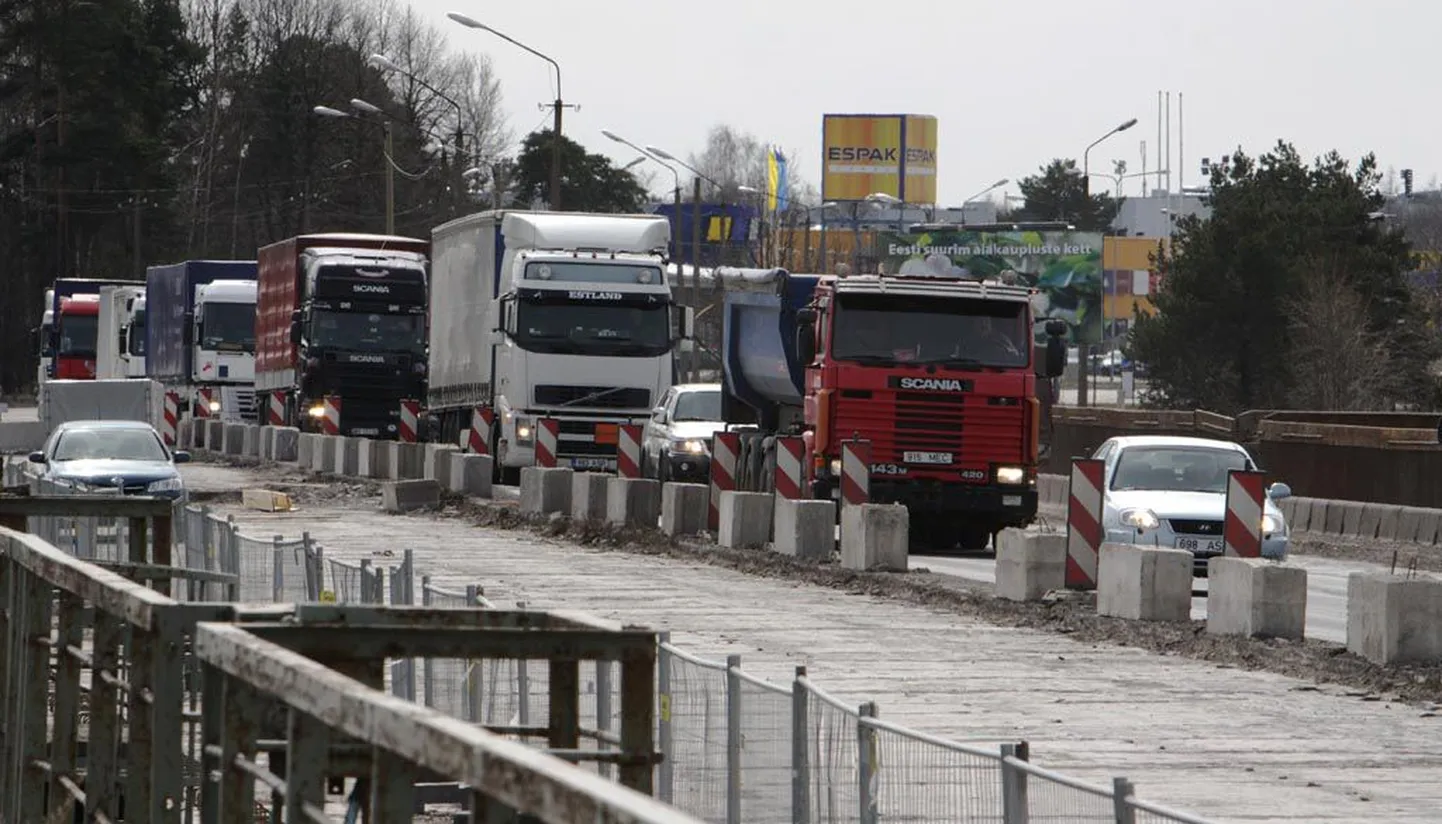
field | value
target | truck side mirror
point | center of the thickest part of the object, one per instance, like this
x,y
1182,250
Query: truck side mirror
x,y
121,344
1055,356
688,323
295,332
806,341
187,332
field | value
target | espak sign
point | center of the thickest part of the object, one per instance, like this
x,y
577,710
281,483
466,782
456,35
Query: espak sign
x,y
893,154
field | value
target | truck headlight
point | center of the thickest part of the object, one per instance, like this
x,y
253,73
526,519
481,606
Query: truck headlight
x,y
524,432
836,467
1010,475
215,406
166,485
1140,519
316,411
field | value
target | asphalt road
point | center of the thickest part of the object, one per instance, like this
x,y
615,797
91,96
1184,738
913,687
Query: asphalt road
x,y
1326,588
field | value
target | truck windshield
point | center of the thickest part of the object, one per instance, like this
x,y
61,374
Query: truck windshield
x,y
593,329
77,335
370,332
228,327
137,333
892,329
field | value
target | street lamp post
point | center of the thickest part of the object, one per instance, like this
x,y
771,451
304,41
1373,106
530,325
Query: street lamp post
x,y
389,152
1084,349
695,291
384,63
984,192
556,106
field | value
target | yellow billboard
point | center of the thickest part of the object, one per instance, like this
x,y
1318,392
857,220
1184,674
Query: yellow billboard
x,y
890,154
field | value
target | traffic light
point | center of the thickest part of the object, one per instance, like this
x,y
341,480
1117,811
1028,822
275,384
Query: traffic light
x,y
1407,182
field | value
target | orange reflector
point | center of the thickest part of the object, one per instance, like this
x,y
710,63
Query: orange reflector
x,y
607,433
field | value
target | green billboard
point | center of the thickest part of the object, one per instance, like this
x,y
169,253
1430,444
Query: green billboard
x,y
1064,267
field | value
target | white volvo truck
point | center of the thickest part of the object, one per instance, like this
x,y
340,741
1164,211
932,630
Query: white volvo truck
x,y
120,341
550,315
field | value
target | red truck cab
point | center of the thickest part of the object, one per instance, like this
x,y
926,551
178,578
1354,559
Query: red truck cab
x,y
940,376
76,327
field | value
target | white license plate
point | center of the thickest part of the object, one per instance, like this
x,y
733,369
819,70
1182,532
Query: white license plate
x,y
589,463
1011,500
930,458
365,433
1200,544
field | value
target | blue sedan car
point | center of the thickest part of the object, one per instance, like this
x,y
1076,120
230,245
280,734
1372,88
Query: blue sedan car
x,y
102,456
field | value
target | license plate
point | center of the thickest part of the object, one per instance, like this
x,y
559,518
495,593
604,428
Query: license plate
x,y
365,433
589,463
929,458
1011,500
1200,544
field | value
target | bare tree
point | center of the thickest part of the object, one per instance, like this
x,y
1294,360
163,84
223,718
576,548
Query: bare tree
x,y
1342,364
734,158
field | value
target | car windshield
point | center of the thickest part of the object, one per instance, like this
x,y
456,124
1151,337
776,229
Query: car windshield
x,y
698,406
593,328
370,332
77,335
1176,468
137,333
927,329
228,327
109,444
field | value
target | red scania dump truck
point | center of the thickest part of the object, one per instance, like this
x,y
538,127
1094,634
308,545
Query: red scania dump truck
x,y
939,374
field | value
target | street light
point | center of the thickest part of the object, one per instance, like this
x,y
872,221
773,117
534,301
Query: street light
x,y
384,63
988,190
665,155
557,106
389,151
1086,161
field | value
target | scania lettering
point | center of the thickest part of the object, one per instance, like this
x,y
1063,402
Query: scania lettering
x,y
200,336
343,315
937,374
551,315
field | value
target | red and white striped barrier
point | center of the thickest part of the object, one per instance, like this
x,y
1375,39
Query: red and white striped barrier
x,y
1246,502
170,418
790,468
548,436
628,451
276,412
410,420
204,397
478,440
855,473
1084,523
330,422
725,446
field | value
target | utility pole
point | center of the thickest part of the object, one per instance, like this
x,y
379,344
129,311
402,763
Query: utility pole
x,y
696,271
390,179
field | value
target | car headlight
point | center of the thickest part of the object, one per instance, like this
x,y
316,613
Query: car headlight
x,y
524,432
317,411
1010,475
1140,519
691,446
1271,524
166,485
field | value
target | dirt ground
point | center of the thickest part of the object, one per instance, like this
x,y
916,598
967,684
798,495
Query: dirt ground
x,y
1066,613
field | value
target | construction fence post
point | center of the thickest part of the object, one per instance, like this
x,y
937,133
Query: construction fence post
x,y
800,741
866,762
1014,804
733,739
1122,791
665,775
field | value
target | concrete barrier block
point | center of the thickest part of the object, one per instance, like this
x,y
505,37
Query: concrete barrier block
x,y
307,444
588,496
875,537
287,444
1300,518
471,475
265,443
214,436
1318,519
745,519
1289,509
22,436
1429,526
804,529
1352,518
633,502
235,439
1370,522
1143,583
1256,598
684,508
436,462
1029,565
1392,619
368,458
405,496
250,442
323,458
1389,521
1335,520
347,456
545,490
184,434
404,461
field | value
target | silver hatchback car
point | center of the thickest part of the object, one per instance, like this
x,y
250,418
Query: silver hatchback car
x,y
1172,492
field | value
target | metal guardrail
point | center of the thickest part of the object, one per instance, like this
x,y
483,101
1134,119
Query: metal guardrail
x,y
99,714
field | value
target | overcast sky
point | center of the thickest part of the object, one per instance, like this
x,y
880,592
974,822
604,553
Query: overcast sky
x,y
1013,84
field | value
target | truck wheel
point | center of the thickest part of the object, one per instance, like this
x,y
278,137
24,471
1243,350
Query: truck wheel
x,y
974,539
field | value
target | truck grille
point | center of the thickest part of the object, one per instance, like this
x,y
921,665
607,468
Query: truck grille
x,y
245,404
606,397
976,430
